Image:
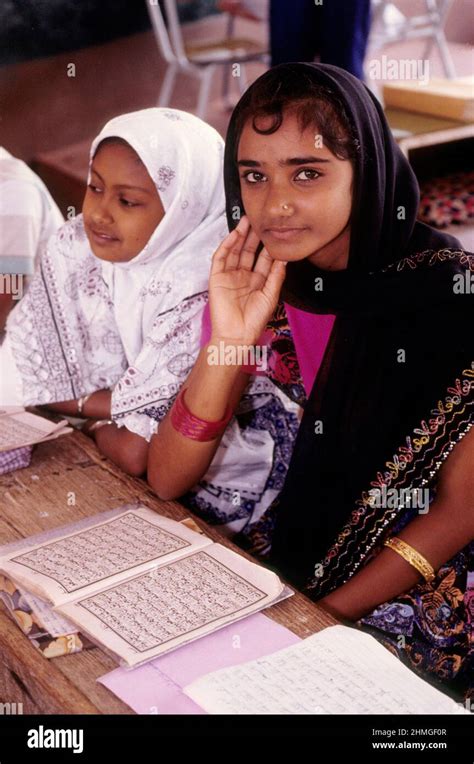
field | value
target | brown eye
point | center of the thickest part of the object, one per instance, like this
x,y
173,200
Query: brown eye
x,y
253,177
128,203
309,174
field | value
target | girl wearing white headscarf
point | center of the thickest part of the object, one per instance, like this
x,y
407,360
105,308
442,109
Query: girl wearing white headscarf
x,y
92,322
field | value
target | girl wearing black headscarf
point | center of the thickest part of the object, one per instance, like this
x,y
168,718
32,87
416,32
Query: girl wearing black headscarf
x,y
385,450
374,520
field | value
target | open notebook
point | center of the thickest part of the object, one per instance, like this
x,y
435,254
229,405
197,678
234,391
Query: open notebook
x,y
339,670
140,584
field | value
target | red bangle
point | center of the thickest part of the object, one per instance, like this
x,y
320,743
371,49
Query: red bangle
x,y
192,426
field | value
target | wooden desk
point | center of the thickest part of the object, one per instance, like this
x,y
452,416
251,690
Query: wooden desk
x,y
421,130
36,499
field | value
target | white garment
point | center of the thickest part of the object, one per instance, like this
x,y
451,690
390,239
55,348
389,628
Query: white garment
x,y
87,324
28,216
10,380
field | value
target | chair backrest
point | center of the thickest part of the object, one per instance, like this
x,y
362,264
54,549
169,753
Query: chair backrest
x,y
392,21
170,42
395,12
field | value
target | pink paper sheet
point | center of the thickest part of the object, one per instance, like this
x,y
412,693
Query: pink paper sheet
x,y
156,687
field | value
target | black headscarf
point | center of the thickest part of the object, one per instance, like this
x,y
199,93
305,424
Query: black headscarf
x,y
402,337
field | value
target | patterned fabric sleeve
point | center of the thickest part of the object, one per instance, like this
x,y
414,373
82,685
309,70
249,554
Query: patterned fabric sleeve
x,y
141,399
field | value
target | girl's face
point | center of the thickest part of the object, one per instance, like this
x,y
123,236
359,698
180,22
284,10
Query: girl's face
x,y
121,207
296,194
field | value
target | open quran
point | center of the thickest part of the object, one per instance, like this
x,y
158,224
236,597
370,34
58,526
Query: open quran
x,y
140,584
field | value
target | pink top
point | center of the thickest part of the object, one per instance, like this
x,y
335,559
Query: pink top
x,y
310,331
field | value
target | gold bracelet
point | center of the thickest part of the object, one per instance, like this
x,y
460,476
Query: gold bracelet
x,y
100,423
412,556
81,402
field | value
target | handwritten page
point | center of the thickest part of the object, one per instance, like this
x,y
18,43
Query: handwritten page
x,y
135,540
20,428
150,614
340,670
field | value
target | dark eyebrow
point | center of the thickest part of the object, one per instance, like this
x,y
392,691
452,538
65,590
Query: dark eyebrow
x,y
303,160
121,185
284,162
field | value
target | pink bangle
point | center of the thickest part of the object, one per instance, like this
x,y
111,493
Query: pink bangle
x,y
192,426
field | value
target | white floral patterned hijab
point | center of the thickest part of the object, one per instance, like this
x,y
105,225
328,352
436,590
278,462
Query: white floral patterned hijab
x,y
86,324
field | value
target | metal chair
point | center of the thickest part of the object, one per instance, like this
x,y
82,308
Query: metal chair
x,y
199,61
394,26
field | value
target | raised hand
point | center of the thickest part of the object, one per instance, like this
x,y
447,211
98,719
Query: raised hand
x,y
242,295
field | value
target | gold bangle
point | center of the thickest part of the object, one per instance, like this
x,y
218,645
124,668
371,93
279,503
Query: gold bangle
x,y
81,402
412,556
100,423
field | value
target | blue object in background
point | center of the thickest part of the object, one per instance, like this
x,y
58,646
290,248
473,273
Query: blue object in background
x,y
336,31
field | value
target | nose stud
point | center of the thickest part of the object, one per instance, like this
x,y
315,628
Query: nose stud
x,y
286,206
